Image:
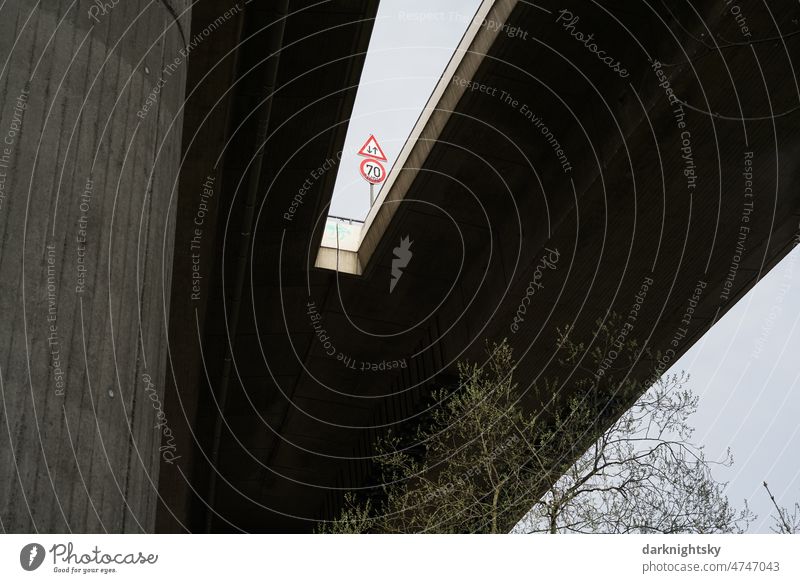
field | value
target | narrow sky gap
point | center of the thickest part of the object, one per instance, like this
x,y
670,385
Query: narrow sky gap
x,y
410,46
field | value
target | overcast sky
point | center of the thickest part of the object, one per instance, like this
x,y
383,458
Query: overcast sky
x,y
411,44
745,369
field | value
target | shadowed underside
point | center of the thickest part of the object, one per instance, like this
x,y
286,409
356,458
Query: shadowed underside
x,y
543,189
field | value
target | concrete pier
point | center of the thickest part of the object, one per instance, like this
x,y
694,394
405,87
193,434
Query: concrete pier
x,y
90,138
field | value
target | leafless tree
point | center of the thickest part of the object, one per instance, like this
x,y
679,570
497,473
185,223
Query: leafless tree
x,y
786,521
570,464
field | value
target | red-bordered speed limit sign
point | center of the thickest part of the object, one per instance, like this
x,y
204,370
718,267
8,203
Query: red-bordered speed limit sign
x,y
372,171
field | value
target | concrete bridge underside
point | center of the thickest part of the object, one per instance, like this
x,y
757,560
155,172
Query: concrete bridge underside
x,y
483,192
531,146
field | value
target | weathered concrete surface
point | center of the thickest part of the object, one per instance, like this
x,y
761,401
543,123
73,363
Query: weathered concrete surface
x,y
86,224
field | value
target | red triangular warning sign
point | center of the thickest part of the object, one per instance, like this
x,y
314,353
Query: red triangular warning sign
x,y
372,149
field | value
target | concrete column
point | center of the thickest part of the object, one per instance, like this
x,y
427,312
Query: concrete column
x,y
90,140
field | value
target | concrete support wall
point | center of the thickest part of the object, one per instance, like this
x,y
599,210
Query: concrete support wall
x,y
90,135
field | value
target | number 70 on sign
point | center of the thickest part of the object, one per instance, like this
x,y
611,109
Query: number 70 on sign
x,y
372,171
